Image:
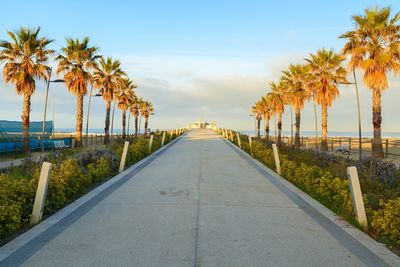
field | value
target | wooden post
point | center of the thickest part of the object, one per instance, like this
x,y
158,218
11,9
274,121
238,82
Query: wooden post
x,y
163,139
356,196
331,143
276,156
40,198
231,135
151,142
387,147
350,145
123,157
340,142
238,138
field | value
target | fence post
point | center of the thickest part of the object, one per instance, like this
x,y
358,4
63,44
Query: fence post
x,y
350,145
163,139
123,157
37,211
356,196
332,143
387,147
238,138
151,142
231,135
277,161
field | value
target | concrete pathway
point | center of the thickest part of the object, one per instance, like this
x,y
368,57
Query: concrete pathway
x,y
199,203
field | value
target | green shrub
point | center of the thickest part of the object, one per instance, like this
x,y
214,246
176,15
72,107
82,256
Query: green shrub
x,y
99,170
386,221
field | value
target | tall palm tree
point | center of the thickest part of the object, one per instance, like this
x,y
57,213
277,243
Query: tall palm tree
x,y
277,104
25,58
125,97
294,80
76,60
107,79
258,110
146,109
135,111
267,113
374,46
325,74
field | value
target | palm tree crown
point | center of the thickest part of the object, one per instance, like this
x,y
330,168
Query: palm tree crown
x,y
25,58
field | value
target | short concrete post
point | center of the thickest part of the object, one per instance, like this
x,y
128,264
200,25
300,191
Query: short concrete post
x,y
238,138
356,196
163,139
250,145
38,206
277,161
123,157
151,142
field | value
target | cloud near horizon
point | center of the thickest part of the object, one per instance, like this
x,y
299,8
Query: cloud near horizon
x,y
186,88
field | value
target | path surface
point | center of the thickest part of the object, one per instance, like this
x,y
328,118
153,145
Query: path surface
x,y
200,203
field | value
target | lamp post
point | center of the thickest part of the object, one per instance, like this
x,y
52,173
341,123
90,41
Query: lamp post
x,y
358,114
45,105
87,115
112,121
255,124
315,122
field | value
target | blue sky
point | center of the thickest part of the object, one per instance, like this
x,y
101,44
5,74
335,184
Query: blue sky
x,y
197,59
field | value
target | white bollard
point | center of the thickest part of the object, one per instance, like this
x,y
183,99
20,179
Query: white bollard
x,y
150,142
356,196
277,161
238,138
40,198
123,157
250,145
163,139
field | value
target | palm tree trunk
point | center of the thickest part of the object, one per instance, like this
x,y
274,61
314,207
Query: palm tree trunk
x,y
297,135
279,127
324,139
123,124
258,127
79,121
377,149
146,123
26,110
266,122
136,125
107,124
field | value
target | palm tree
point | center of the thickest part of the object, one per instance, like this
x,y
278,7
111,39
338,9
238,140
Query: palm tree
x,y
294,83
374,46
146,109
125,96
107,79
325,74
135,111
76,60
258,110
267,113
25,58
277,104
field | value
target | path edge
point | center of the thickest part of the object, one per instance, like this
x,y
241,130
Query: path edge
x,y
15,244
379,249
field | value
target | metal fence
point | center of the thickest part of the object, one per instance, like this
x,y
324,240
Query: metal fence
x,y
391,146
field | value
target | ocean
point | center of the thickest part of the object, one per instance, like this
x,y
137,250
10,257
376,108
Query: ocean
x,y
333,134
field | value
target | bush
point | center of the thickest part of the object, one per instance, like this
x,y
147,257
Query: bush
x,y
386,221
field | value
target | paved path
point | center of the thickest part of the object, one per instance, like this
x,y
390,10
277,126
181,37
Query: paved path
x,y
200,203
